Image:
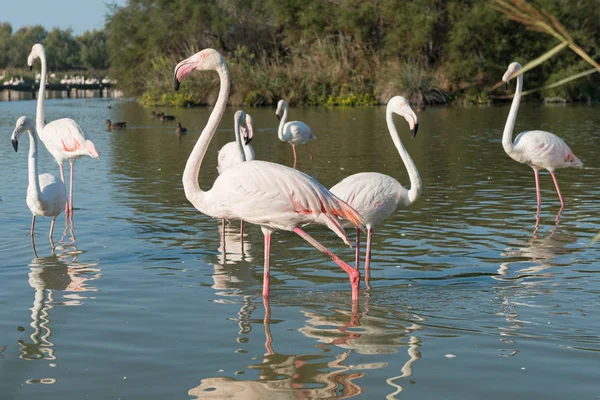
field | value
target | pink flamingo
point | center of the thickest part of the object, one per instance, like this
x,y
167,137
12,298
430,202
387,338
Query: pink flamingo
x,y
293,132
259,192
376,196
63,138
538,149
233,153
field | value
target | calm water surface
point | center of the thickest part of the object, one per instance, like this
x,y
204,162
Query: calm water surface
x,y
469,300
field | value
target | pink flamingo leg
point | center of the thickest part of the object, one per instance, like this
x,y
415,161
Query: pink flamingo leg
x,y
353,274
267,269
242,236
62,178
309,153
71,192
294,149
368,258
537,188
562,203
32,226
357,260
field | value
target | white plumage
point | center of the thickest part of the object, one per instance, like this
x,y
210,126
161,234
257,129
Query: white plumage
x,y
376,196
46,194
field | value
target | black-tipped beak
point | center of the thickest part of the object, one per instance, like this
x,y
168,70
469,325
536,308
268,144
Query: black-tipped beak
x,y
414,131
175,81
15,144
505,85
278,117
31,68
247,140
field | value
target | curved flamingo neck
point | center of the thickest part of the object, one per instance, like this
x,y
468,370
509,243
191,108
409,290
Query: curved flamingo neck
x,y
238,138
192,168
512,117
282,122
413,173
34,182
39,118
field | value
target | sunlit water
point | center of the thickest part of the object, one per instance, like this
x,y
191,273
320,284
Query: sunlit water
x,y
469,301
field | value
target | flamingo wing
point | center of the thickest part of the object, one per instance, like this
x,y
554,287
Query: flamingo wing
x,y
375,196
545,150
297,132
277,197
64,139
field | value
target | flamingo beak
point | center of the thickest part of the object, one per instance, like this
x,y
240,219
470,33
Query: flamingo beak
x,y
505,85
31,68
413,132
278,117
183,69
15,144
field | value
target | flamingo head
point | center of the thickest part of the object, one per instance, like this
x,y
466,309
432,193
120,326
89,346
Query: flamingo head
x,y
24,124
512,69
247,130
399,105
205,60
281,105
37,50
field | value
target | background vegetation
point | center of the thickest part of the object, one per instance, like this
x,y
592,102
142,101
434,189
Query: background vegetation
x,y
335,52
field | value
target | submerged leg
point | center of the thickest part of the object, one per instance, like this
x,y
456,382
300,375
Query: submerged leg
x,y
242,236
267,268
562,203
223,235
71,191
294,149
368,257
353,274
51,228
309,153
537,189
357,259
32,226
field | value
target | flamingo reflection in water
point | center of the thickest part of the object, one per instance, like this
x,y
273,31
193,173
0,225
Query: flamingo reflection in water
x,y
369,335
48,276
539,251
283,376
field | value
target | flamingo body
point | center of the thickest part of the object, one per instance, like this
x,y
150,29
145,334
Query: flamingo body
x,y
275,197
65,140
50,202
230,155
543,150
375,196
296,132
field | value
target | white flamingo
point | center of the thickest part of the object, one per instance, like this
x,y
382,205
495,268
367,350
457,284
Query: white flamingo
x,y
376,196
63,138
293,132
46,194
538,149
262,193
233,153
